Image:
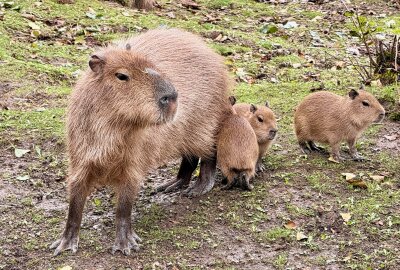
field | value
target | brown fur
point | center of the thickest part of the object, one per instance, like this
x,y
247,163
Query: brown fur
x,y
143,4
237,150
329,118
265,130
116,131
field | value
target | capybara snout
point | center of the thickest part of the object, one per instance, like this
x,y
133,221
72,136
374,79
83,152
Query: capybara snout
x,y
272,133
165,95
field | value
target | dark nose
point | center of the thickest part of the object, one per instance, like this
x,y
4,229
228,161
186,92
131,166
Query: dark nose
x,y
272,133
168,98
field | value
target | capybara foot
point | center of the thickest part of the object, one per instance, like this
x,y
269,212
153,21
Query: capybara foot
x,y
171,186
65,243
336,158
230,185
358,157
200,187
260,167
126,243
304,148
316,148
245,182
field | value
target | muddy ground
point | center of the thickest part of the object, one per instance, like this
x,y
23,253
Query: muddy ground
x,y
302,213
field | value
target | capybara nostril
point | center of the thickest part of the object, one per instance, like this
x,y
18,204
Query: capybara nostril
x,y
166,99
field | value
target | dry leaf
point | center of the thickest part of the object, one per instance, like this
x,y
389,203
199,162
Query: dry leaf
x,y
391,137
346,216
33,26
301,236
331,159
290,225
357,183
349,176
20,152
378,178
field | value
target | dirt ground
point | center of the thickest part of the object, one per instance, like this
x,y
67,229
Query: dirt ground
x,y
302,213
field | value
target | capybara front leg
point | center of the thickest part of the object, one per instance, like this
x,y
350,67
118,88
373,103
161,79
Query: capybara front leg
x,y
353,151
206,180
335,152
244,180
126,239
260,167
70,237
188,165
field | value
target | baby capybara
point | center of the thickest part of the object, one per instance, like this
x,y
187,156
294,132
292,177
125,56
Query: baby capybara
x,y
143,102
237,151
264,124
329,118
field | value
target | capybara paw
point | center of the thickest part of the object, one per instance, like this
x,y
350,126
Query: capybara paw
x,y
260,167
198,189
125,244
170,186
359,158
65,244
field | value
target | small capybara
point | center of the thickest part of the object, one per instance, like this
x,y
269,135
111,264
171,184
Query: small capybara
x,y
142,102
329,118
264,124
237,150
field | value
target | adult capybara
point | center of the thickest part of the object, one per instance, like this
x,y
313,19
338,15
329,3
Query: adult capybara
x,y
264,124
144,101
329,118
237,150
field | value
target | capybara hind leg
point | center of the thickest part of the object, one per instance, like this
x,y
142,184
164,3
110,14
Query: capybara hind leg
x,y
304,148
126,239
315,147
206,180
244,181
69,239
353,151
188,165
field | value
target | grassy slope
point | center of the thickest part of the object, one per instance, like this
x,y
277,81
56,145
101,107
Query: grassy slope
x,y
223,230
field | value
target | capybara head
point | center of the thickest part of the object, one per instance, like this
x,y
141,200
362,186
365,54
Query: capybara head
x,y
365,108
133,86
263,122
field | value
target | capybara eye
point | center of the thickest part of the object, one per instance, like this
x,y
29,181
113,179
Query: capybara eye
x,y
121,76
365,103
260,119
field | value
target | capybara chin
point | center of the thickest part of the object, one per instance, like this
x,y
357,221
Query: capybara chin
x,y
237,151
142,102
263,121
329,118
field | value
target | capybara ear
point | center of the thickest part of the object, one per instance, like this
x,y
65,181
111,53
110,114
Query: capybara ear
x,y
267,103
253,108
128,47
232,100
353,94
96,63
152,72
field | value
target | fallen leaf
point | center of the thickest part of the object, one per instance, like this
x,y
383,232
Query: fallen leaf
x,y
331,159
296,65
376,83
346,216
67,267
269,28
33,26
290,24
30,17
390,137
20,152
290,225
349,176
23,177
378,178
301,236
357,183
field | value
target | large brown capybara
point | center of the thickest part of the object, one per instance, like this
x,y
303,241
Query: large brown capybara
x,y
326,117
143,102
